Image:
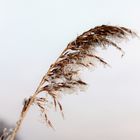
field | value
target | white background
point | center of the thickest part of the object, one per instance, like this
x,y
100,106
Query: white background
x,y
32,35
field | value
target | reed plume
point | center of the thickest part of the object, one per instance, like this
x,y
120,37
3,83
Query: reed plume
x,y
63,76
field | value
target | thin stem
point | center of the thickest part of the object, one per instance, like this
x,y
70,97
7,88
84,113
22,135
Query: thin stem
x,y
24,113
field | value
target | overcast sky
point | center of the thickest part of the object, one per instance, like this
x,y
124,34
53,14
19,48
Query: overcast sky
x,y
32,35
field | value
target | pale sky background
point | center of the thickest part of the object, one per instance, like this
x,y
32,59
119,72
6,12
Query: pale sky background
x,y
32,35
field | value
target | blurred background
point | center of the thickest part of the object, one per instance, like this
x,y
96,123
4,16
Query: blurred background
x,y
32,35
5,126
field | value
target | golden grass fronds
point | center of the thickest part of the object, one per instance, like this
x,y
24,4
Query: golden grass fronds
x,y
64,75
